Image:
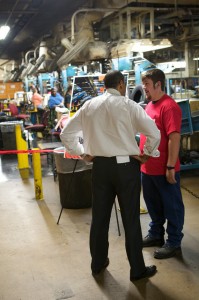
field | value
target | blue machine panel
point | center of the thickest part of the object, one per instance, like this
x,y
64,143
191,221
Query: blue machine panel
x,y
187,127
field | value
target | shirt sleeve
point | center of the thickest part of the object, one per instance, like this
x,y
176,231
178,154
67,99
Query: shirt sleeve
x,y
145,125
172,120
72,135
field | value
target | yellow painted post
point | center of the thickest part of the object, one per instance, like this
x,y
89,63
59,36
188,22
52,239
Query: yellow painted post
x,y
23,163
37,175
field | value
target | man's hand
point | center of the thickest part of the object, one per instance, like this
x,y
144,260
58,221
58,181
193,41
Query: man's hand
x,y
170,176
142,158
87,157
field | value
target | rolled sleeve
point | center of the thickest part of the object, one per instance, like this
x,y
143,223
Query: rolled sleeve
x,y
148,128
71,136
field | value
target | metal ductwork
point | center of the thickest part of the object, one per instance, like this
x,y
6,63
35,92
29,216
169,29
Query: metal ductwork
x,y
35,64
68,56
51,65
67,44
38,63
44,57
17,73
82,39
32,65
84,24
47,60
28,63
26,70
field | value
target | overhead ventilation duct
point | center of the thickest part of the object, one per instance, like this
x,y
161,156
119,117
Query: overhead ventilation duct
x,y
38,62
82,39
68,56
84,24
26,70
51,65
35,67
66,43
43,58
29,63
32,65
17,73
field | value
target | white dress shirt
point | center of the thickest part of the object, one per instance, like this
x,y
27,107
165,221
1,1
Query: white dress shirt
x,y
108,125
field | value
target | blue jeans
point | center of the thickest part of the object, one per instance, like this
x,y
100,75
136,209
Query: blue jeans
x,y
164,203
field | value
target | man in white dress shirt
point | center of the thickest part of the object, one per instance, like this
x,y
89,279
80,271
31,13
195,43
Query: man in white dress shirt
x,y
108,125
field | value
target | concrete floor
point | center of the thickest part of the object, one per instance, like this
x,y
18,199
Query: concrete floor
x,y
40,260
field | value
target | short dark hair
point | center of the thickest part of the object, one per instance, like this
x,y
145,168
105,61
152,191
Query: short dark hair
x,y
155,75
112,79
53,90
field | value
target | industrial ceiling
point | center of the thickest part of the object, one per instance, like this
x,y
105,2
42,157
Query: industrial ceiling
x,y
54,23
30,21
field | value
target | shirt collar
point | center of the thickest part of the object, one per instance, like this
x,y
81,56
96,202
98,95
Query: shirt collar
x,y
113,92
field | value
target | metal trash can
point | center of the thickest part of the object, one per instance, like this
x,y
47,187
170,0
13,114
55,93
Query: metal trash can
x,y
74,176
8,134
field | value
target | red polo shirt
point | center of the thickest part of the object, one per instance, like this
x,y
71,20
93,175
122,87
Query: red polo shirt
x,y
167,115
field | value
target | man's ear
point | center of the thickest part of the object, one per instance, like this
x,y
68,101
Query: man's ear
x,y
119,87
156,84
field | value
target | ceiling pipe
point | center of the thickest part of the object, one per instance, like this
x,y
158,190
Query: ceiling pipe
x,y
35,52
40,58
27,54
30,63
26,70
66,43
16,75
68,56
39,61
85,35
86,10
52,64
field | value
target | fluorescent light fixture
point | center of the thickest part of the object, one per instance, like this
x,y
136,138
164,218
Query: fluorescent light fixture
x,y
145,45
4,31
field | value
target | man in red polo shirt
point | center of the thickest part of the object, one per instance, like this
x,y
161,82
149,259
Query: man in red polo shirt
x,y
161,175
